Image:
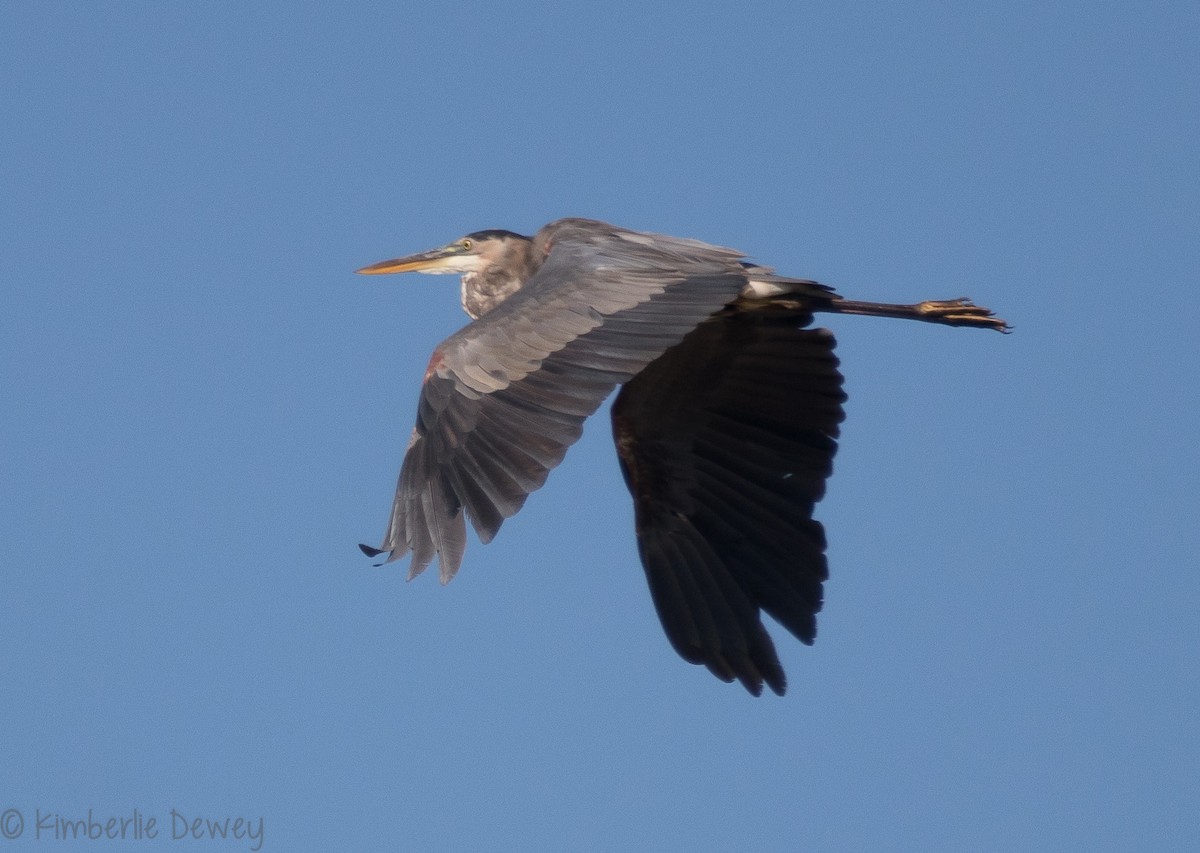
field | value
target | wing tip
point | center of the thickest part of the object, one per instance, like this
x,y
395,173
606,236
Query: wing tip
x,y
754,674
374,552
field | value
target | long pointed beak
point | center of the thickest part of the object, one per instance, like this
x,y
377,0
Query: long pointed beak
x,y
423,262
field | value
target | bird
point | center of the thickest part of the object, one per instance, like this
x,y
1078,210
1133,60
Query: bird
x,y
725,425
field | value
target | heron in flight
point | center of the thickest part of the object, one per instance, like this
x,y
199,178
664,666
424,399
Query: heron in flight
x,y
725,425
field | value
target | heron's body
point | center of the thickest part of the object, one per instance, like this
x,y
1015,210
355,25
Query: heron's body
x,y
725,426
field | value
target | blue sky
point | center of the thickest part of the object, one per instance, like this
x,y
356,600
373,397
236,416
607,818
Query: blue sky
x,y
205,411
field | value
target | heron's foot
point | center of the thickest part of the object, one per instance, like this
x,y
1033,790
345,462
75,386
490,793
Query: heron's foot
x,y
960,312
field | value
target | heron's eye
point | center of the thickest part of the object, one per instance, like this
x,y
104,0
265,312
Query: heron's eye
x,y
465,244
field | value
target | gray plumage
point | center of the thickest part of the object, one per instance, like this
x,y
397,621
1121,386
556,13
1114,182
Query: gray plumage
x,y
725,426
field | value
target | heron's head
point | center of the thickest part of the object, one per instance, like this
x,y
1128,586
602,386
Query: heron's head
x,y
479,252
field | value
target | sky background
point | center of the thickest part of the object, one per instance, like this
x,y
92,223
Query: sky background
x,y
205,411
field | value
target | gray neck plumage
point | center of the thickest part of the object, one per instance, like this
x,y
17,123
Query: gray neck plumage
x,y
481,291
484,290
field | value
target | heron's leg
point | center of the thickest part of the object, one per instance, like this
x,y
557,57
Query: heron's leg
x,y
947,312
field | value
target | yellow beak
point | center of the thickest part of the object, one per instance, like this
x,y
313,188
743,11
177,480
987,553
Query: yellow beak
x,y
424,262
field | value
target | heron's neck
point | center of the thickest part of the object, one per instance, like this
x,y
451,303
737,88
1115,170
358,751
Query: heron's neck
x,y
484,290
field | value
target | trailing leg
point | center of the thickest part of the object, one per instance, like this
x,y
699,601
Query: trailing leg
x,y
948,312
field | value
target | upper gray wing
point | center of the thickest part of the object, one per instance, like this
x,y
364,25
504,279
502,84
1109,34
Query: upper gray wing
x,y
726,442
504,397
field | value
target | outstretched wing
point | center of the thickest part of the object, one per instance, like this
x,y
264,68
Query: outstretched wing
x,y
506,396
726,442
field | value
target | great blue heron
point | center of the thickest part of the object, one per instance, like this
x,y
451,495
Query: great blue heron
x,y
725,424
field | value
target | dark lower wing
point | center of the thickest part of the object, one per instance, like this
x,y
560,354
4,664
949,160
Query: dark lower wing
x,y
726,442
